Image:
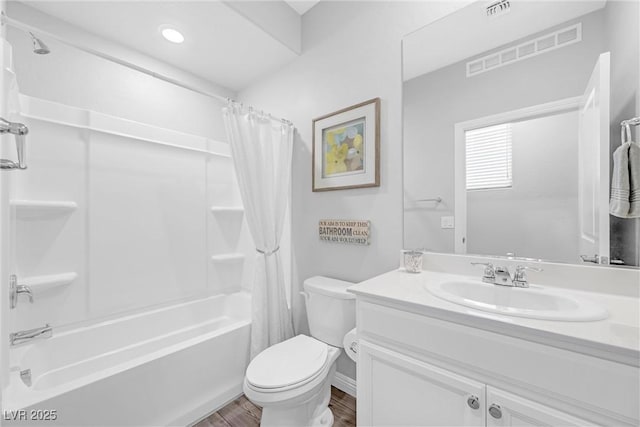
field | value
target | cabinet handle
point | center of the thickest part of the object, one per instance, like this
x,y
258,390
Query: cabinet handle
x,y
495,411
473,402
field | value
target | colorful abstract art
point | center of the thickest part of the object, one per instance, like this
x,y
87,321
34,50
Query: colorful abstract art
x,y
343,148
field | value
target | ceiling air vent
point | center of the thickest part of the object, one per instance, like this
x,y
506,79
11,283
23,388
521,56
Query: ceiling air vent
x,y
528,49
498,8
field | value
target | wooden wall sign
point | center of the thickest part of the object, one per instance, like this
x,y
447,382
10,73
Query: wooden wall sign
x,y
355,232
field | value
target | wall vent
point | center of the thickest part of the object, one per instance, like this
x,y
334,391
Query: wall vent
x,y
529,49
498,8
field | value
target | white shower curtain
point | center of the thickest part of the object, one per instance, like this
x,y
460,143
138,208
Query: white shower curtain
x,y
261,149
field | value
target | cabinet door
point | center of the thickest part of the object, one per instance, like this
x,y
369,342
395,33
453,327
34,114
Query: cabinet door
x,y
506,409
397,390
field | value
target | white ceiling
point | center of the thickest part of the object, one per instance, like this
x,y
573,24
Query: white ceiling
x,y
469,32
220,45
302,6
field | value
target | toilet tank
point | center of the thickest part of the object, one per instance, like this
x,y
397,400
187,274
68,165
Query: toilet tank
x,y
331,310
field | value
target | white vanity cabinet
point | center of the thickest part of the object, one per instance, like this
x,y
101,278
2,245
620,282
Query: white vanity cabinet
x,y
418,370
506,409
400,390
409,392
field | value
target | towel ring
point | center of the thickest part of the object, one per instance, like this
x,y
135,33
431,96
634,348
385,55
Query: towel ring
x,y
625,129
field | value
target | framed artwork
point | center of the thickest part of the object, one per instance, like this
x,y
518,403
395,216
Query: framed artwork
x,y
346,148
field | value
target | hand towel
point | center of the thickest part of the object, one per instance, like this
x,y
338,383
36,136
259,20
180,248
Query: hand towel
x,y
625,182
634,180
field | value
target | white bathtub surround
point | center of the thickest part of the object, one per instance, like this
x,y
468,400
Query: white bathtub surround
x,y
177,364
14,109
262,149
95,181
546,371
149,328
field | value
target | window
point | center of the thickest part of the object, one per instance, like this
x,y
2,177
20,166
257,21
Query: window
x,y
488,157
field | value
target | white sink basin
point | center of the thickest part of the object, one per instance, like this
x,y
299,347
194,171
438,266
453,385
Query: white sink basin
x,y
534,302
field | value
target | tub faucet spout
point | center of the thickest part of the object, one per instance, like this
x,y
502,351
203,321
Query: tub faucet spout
x,y
25,376
31,334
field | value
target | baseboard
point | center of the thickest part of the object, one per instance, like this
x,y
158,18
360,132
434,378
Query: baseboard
x,y
344,383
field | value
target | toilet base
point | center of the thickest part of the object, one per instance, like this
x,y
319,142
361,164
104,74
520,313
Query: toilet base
x,y
311,410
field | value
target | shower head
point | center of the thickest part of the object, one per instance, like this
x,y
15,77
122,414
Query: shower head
x,y
38,46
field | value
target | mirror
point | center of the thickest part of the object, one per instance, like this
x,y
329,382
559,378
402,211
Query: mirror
x,y
512,111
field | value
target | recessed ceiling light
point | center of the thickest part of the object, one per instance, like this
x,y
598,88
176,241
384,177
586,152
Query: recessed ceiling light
x,y
173,35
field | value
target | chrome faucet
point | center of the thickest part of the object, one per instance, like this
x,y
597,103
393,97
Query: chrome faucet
x,y
16,290
31,334
489,275
520,276
501,275
20,132
25,376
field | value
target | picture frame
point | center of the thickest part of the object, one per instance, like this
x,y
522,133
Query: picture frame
x,y
346,148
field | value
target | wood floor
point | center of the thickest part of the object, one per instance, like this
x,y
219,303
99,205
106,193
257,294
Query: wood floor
x,y
242,413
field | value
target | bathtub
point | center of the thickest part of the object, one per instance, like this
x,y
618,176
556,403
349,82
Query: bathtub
x,y
169,366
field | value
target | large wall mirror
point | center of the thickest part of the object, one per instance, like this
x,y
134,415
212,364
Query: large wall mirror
x,y
512,111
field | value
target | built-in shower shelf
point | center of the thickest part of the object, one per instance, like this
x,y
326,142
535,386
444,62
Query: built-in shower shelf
x,y
48,282
26,209
233,257
227,209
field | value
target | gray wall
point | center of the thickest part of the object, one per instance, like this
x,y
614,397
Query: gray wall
x,y
351,53
622,36
434,102
536,217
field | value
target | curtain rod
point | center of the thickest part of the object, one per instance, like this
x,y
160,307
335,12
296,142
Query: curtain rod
x,y
29,28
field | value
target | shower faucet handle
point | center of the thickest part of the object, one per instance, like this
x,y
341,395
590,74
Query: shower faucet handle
x,y
16,290
19,131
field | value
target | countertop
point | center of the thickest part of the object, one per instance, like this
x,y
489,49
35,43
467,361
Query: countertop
x,y
616,338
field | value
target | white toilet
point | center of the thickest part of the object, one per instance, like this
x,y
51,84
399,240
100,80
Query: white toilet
x,y
291,380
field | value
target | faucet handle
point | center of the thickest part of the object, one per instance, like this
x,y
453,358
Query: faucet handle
x,y
24,289
19,131
489,272
521,271
16,290
520,275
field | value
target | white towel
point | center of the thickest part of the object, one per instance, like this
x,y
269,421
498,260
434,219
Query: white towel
x,y
625,183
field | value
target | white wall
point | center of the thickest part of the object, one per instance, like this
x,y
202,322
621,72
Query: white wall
x,y
351,53
73,77
276,18
536,217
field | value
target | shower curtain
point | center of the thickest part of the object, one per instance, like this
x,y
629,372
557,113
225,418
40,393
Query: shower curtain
x,y
261,149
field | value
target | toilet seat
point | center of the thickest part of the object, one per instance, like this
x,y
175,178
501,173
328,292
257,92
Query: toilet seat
x,y
286,365
295,393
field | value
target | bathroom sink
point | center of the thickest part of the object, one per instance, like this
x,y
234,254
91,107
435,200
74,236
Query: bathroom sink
x,y
534,302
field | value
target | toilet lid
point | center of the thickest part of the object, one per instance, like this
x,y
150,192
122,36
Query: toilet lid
x,y
287,363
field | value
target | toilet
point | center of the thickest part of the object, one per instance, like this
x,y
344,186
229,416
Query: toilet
x,y
291,380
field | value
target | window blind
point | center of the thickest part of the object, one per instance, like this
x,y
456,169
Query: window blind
x,y
488,157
